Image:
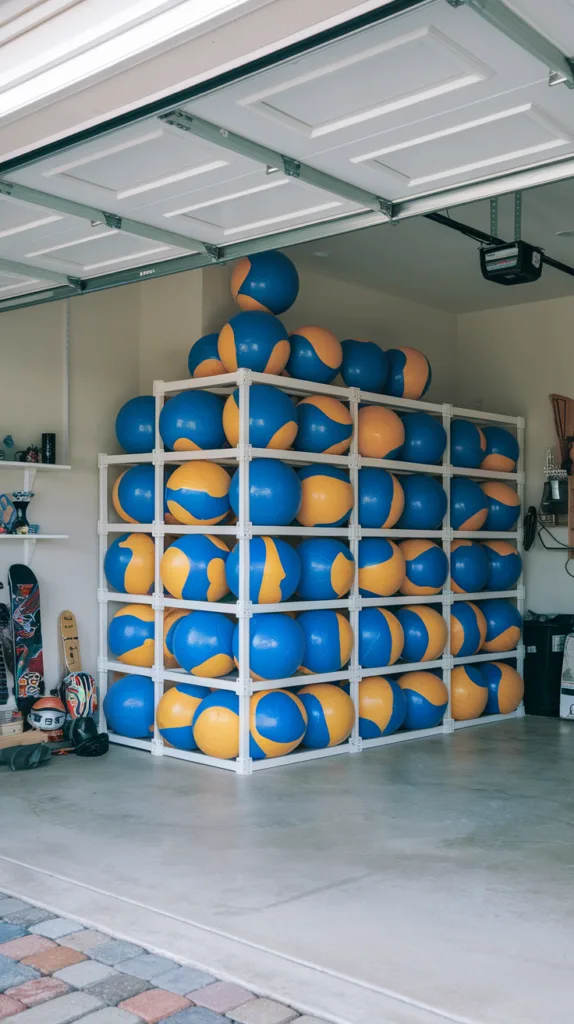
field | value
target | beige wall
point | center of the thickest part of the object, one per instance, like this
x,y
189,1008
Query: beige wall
x,y
120,341
104,332
510,360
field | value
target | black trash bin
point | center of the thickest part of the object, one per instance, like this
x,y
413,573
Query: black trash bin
x,y
544,637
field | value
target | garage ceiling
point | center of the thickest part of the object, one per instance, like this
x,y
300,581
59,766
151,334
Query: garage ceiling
x,y
429,109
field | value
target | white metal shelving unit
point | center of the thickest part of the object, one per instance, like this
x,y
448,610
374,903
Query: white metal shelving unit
x,y
241,683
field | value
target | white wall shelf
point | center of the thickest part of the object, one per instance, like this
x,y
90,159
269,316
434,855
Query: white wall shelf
x,y
241,682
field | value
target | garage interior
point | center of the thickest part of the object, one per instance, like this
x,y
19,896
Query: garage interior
x,y
419,882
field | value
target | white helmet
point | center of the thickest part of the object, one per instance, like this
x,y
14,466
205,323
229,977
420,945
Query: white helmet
x,y
47,714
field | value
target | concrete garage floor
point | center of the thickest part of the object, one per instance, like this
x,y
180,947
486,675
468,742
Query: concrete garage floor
x,y
414,884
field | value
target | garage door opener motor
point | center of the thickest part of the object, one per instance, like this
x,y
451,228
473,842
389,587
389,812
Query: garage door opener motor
x,y
510,263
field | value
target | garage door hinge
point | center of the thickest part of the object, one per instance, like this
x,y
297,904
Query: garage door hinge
x,y
113,221
292,168
76,283
456,3
386,207
213,251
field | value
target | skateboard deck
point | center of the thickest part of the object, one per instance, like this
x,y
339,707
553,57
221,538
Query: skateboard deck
x,y
26,636
69,643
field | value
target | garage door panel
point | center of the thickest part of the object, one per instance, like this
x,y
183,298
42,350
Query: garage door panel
x,y
416,67
266,202
18,284
553,18
128,171
459,149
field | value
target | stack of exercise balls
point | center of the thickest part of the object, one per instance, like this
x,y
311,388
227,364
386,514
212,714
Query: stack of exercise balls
x,y
203,493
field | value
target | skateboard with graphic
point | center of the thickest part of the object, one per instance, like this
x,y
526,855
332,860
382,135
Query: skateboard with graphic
x,y
71,657
6,661
78,688
26,628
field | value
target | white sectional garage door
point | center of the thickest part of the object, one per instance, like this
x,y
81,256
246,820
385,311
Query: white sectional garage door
x,y
422,110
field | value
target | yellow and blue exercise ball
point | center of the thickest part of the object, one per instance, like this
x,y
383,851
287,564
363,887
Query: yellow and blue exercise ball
x,y
468,693
381,637
503,506
192,421
131,635
505,687
365,365
381,498
325,425
273,418
129,563
425,438
467,444
504,565
326,496
503,625
382,707
327,569
135,425
328,638
193,568
276,645
409,374
468,567
175,712
197,493
427,699
203,359
381,432
254,340
316,354
133,494
425,632
277,720
171,617
425,503
274,570
468,505
129,707
266,281
467,629
202,644
274,493
426,568
381,567
330,715
501,450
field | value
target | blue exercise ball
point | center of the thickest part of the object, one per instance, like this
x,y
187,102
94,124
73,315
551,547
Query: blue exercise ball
x,y
273,418
327,569
192,421
255,340
274,493
425,503
135,425
467,444
266,281
365,365
129,707
133,494
425,439
328,640
504,564
276,645
274,570
468,504
203,359
202,642
381,498
468,567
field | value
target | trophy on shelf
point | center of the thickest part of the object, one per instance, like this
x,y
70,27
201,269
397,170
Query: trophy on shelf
x,y
21,500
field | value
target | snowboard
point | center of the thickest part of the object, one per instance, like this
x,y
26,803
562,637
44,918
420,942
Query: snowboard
x,y
26,637
70,644
5,654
